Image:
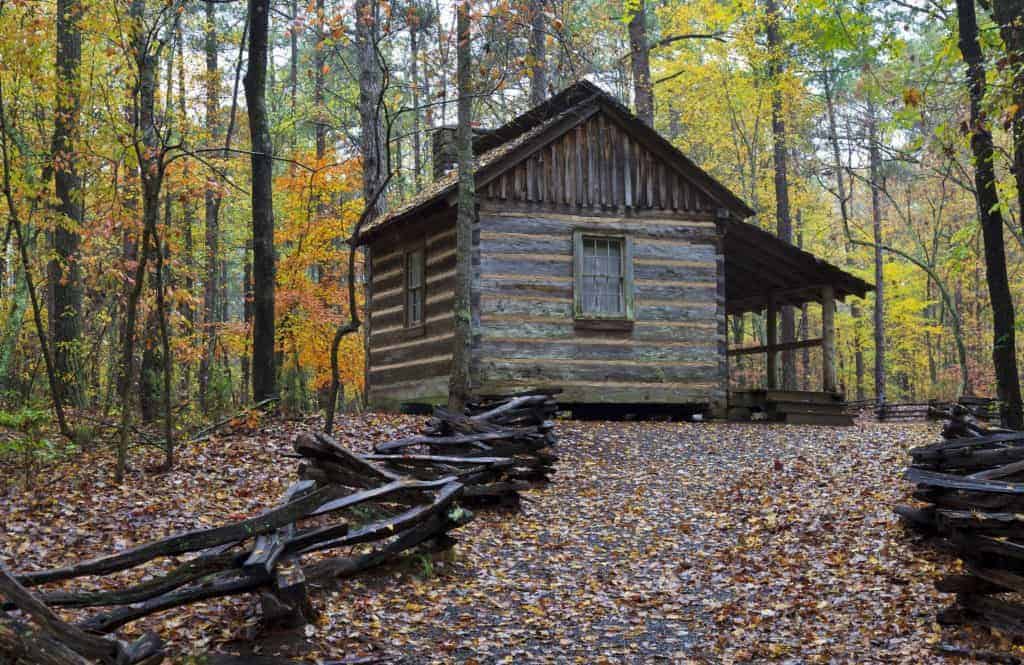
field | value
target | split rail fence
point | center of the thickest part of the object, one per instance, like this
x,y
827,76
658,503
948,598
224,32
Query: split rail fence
x,y
346,513
971,485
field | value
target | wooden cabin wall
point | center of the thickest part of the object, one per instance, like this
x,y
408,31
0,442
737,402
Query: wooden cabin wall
x,y
675,353
599,177
411,365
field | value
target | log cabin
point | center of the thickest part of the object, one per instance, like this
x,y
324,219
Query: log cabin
x,y
605,263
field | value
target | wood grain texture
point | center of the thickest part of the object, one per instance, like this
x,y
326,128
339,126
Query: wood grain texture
x,y
528,332
598,165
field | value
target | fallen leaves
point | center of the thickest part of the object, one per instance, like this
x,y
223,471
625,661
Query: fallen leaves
x,y
677,542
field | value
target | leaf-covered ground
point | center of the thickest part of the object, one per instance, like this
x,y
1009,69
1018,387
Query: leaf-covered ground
x,y
658,541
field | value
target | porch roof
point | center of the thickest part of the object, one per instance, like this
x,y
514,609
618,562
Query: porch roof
x,y
758,265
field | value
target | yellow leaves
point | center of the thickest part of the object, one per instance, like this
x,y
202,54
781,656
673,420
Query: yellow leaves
x,y
1009,114
535,610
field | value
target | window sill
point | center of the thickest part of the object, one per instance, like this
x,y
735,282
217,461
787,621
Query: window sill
x,y
612,325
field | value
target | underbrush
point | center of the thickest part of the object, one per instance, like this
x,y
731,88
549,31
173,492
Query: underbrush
x,y
24,447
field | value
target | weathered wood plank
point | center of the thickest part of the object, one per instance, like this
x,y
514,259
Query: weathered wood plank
x,y
426,347
625,371
432,390
696,232
382,377
396,334
517,325
612,393
705,351
384,319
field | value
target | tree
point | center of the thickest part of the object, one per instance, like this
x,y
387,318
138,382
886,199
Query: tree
x,y
538,53
459,381
783,221
14,222
1004,356
264,373
1009,14
874,166
211,198
148,153
640,59
64,274
372,145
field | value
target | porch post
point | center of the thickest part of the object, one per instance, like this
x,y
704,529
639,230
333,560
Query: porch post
x,y
773,331
828,339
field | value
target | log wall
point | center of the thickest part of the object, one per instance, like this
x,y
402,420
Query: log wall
x,y
529,338
411,364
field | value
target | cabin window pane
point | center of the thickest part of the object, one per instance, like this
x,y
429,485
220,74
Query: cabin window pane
x,y
602,278
414,291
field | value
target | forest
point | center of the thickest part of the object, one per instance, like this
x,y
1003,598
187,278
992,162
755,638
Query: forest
x,y
182,180
186,190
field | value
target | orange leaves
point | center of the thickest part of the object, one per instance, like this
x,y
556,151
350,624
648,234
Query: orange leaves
x,y
316,213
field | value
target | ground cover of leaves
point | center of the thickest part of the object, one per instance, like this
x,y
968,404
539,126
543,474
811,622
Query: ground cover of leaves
x,y
658,542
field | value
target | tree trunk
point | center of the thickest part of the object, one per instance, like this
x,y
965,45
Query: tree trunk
x,y
783,221
212,201
459,381
188,213
538,53
1003,338
165,347
246,318
874,166
14,221
64,276
151,173
1009,14
415,27
370,85
264,375
640,55
293,59
319,61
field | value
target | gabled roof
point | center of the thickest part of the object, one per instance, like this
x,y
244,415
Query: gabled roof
x,y
502,148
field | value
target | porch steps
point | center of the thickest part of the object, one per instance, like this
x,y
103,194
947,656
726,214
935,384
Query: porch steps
x,y
795,407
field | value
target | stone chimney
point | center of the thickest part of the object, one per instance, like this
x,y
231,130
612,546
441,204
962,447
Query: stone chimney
x,y
444,154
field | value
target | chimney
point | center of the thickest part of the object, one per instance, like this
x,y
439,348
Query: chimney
x,y
444,155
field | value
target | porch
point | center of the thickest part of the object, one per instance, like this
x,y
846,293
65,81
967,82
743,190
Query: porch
x,y
763,275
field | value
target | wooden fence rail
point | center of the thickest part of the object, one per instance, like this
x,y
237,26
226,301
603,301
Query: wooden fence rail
x,y
366,508
971,489
982,408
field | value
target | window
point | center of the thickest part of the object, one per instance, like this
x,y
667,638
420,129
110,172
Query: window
x,y
603,276
415,269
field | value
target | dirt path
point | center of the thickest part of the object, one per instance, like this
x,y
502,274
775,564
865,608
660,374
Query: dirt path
x,y
684,542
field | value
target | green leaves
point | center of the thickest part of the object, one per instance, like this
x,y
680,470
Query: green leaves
x,y
630,8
